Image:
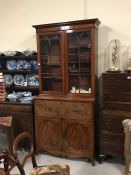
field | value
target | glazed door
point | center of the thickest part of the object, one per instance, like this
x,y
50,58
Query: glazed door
x,y
78,137
48,134
80,65
51,62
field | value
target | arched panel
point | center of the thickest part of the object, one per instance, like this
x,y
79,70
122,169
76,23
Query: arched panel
x,y
77,136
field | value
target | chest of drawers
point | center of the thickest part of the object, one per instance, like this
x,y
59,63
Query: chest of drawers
x,y
116,107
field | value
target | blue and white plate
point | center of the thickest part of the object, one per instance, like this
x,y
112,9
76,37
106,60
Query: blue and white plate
x,y
21,64
19,80
26,99
8,79
27,66
11,64
32,80
34,64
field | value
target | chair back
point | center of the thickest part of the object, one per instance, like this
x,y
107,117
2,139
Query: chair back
x,y
23,148
9,163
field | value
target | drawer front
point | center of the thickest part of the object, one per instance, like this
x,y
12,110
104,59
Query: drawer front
x,y
16,114
123,97
112,124
77,110
63,109
111,138
109,149
16,108
117,106
117,83
47,108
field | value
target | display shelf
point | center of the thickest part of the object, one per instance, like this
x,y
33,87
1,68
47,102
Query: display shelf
x,y
24,66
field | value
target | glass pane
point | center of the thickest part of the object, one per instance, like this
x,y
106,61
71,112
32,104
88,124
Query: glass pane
x,y
51,62
79,62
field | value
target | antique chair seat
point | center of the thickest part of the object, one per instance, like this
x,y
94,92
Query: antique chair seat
x,y
51,169
23,148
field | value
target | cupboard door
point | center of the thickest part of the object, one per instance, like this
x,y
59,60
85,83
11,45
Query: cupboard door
x,y
48,134
22,124
51,61
78,137
79,48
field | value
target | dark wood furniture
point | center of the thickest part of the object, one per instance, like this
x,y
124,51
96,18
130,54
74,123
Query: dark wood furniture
x,y
64,109
22,113
116,107
9,163
22,116
6,134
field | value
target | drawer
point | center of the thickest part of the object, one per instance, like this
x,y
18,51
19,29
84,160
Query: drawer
x,y
77,110
16,114
63,109
117,97
47,107
111,138
117,83
16,108
112,123
117,106
109,149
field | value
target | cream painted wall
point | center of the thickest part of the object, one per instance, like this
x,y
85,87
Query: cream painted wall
x,y
18,16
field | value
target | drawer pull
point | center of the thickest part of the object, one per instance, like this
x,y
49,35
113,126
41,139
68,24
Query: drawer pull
x,y
129,77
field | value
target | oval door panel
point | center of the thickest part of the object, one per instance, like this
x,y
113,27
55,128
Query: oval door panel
x,y
77,136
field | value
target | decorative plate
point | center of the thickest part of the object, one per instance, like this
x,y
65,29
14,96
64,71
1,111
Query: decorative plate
x,y
19,80
27,66
8,79
32,80
11,64
21,64
26,99
34,64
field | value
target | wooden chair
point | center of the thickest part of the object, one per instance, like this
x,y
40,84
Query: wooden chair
x,y
23,148
8,162
127,145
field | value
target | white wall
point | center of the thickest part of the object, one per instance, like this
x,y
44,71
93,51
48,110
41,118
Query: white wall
x,y
18,16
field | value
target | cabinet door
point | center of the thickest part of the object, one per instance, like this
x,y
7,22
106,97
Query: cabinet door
x,y
48,134
78,137
80,62
51,62
22,123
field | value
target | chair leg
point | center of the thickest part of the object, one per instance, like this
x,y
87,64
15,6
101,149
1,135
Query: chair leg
x,y
34,161
92,161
